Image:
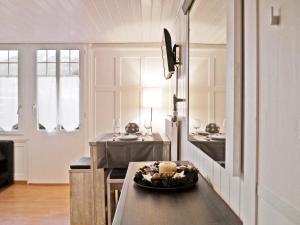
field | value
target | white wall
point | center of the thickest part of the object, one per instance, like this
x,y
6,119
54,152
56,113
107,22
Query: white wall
x,y
119,75
279,109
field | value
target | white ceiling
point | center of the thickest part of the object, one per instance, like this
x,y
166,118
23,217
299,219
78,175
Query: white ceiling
x,y
106,21
85,21
208,22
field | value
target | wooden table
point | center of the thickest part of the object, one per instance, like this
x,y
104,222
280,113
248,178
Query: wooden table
x,y
99,172
215,149
200,205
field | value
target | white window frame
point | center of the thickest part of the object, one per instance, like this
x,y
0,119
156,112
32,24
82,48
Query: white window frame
x,y
17,132
81,70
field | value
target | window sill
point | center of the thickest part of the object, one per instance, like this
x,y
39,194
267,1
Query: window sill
x,y
60,132
10,133
16,137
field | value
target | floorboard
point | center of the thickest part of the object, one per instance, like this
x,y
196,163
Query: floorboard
x,y
22,204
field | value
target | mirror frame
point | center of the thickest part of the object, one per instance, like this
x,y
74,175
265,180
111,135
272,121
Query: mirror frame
x,y
234,86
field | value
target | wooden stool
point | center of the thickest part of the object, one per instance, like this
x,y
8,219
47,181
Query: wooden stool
x,y
114,183
81,207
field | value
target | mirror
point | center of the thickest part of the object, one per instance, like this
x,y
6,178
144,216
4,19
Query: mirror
x,y
207,78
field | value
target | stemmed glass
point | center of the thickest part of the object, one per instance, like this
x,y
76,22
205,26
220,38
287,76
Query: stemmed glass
x,y
148,126
116,126
197,125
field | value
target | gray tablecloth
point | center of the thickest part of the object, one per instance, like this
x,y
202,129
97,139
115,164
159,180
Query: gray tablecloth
x,y
213,148
114,153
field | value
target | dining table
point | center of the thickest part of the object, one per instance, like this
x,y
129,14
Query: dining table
x,y
109,151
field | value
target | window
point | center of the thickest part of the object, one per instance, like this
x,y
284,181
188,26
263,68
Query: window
x,y
8,90
58,90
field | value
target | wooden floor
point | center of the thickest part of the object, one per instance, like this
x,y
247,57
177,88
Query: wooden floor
x,y
23,204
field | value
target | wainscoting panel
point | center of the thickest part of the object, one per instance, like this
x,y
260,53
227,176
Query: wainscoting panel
x,y
130,106
120,75
104,74
229,188
130,71
105,102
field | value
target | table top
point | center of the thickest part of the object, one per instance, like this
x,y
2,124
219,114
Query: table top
x,y
110,152
112,137
200,205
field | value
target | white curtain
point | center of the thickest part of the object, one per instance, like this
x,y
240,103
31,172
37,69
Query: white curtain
x,y
69,102
47,104
8,102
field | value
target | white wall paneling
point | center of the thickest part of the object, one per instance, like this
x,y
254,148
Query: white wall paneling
x,y
104,112
207,84
279,114
129,70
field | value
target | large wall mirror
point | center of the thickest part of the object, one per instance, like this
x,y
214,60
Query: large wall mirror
x,y
215,89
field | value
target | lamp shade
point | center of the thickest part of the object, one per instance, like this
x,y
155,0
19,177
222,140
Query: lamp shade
x,y
152,97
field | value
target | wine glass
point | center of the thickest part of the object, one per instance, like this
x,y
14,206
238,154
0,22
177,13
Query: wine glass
x,y
197,125
148,126
116,126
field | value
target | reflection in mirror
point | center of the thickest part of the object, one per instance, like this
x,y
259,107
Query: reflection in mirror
x,y
207,78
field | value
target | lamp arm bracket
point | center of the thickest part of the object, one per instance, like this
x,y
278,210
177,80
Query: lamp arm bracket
x,y
176,53
175,101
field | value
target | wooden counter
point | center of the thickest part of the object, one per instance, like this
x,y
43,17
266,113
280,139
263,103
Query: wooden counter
x,y
200,205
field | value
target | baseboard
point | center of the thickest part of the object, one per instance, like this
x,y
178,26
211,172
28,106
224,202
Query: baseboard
x,y
48,184
20,181
283,207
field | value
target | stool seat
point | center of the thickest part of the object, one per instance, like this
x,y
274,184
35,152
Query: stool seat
x,y
82,163
118,173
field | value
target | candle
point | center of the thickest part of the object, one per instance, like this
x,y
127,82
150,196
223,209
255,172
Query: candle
x,y
167,167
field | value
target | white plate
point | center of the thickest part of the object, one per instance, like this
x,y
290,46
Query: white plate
x,y
129,137
218,137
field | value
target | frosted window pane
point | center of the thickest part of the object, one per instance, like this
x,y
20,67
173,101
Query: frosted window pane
x,y
64,56
41,69
51,69
41,56
3,56
47,109
3,69
8,103
74,55
51,56
69,103
13,69
74,67
13,56
64,69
